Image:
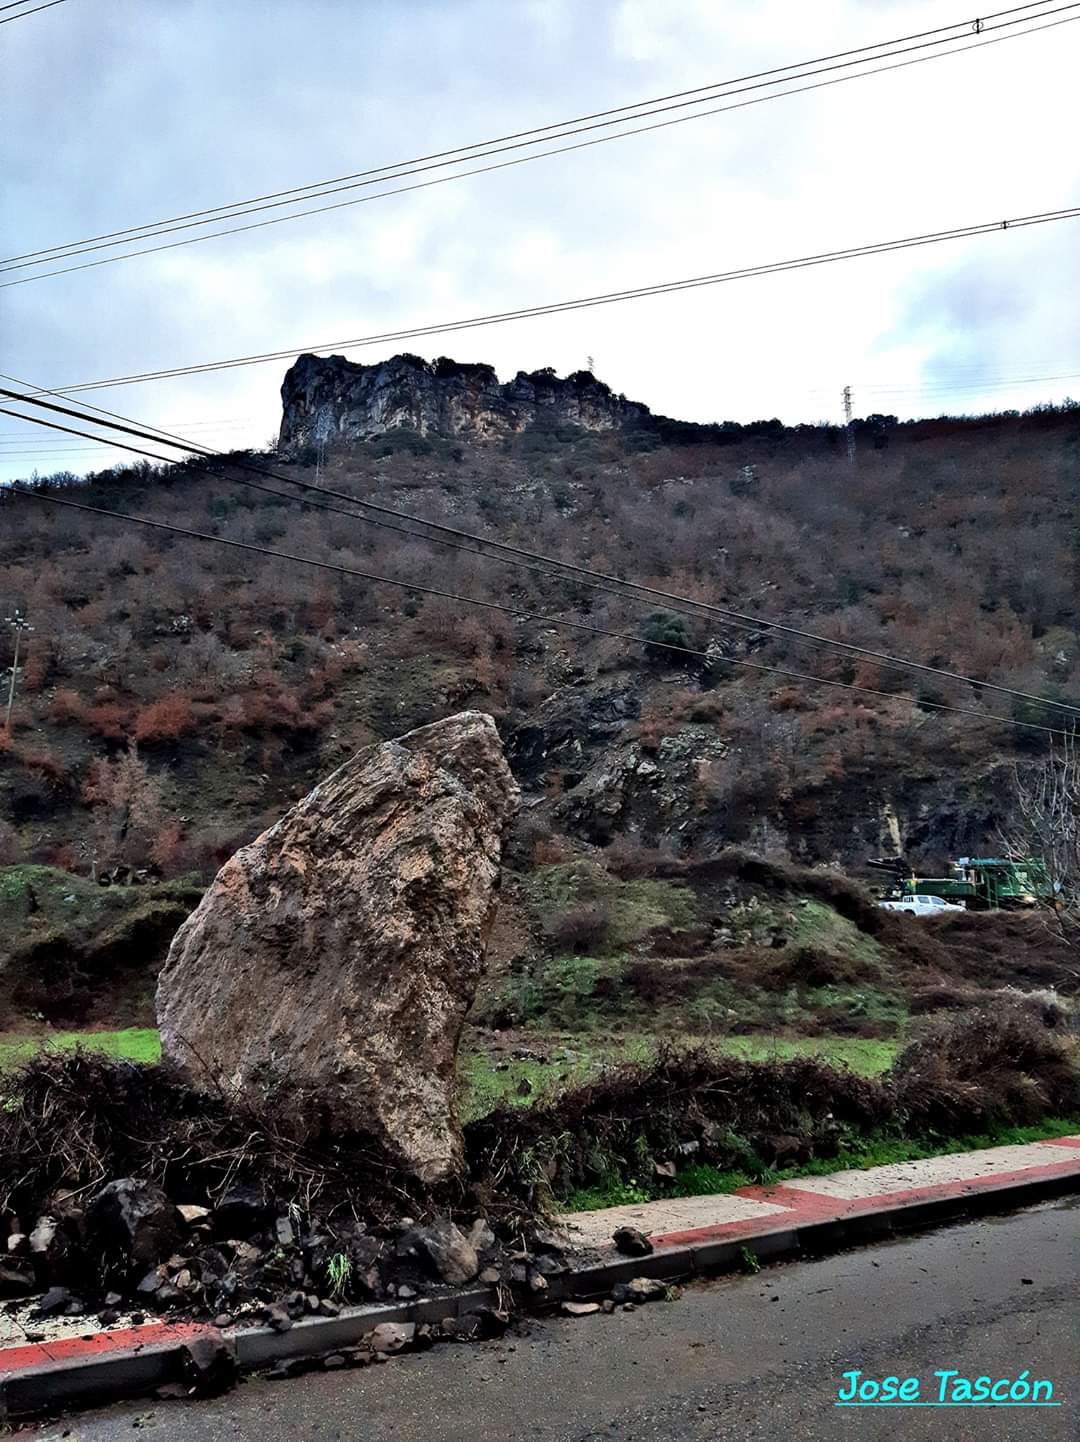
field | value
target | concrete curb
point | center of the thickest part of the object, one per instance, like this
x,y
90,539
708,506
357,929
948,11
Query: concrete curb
x,y
92,1375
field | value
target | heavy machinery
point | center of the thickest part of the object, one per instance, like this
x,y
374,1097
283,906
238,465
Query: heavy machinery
x,y
980,883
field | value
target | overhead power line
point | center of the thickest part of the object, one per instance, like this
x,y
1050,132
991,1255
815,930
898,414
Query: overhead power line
x,y
310,190
23,13
778,267
530,560
33,259
936,387
417,588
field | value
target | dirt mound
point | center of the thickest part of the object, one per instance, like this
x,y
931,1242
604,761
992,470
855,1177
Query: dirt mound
x,y
986,1067
67,979
695,1106
75,1120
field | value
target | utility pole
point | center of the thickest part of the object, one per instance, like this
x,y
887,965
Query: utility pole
x,y
849,427
20,627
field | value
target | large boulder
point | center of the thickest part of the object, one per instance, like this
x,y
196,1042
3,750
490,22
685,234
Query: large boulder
x,y
333,960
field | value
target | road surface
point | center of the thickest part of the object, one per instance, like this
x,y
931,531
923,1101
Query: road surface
x,y
741,1359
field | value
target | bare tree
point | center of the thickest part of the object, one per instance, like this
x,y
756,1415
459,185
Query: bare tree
x,y
1048,827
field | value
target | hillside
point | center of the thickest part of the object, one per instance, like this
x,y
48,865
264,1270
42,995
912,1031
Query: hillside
x,y
240,680
178,696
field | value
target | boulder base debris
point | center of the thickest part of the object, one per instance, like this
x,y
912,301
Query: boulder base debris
x,y
333,960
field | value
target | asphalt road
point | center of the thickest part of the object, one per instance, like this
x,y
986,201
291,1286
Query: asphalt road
x,y
735,1360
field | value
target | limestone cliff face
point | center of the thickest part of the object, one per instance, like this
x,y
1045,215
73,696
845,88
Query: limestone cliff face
x,y
331,400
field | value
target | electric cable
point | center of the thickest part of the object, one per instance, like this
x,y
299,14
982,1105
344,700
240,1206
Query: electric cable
x,y
538,561
22,264
417,588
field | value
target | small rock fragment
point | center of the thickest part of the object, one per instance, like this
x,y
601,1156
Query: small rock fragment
x,y
241,1212
278,1318
16,1281
152,1282
55,1301
463,1329
550,1264
449,1251
136,1218
389,1337
209,1365
631,1242
646,1289
580,1309
481,1237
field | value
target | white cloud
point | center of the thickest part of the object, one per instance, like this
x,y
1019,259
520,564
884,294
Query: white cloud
x,y
193,104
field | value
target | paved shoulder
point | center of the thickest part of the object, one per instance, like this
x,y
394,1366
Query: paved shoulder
x,y
744,1213
743,1359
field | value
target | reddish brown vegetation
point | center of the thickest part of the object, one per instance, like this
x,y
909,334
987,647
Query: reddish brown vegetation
x,y
953,544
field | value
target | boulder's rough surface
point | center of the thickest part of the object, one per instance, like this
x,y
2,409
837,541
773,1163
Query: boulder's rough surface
x,y
335,957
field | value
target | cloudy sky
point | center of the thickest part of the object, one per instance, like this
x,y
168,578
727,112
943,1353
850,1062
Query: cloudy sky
x,y
119,112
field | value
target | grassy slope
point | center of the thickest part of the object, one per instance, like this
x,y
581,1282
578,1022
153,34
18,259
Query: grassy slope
x,y
40,898
73,953
568,1060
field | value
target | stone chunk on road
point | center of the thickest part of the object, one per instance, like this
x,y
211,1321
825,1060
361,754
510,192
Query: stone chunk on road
x,y
631,1242
336,956
391,1337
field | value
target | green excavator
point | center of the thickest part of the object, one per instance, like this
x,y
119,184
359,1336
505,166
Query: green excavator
x,y
981,883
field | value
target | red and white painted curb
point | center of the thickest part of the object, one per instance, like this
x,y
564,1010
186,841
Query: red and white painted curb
x,y
691,1235
839,1196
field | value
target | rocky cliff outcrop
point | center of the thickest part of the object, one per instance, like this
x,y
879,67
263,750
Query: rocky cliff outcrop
x,y
331,400
336,956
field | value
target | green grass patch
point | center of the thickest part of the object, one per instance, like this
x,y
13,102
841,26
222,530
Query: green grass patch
x,y
140,1044
867,1056
877,1150
486,1082
634,908
46,897
816,924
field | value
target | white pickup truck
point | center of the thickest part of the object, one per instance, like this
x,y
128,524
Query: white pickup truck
x,y
922,905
